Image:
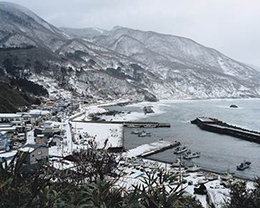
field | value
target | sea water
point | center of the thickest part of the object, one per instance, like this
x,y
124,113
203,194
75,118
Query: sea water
x,y
219,153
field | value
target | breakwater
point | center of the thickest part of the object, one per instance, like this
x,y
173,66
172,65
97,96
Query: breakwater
x,y
220,127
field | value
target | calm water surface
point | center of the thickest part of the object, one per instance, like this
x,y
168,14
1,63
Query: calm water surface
x,y
219,153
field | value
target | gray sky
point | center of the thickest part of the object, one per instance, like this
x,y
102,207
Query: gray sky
x,y
230,26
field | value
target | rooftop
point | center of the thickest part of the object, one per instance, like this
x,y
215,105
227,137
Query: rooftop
x,y
31,147
9,115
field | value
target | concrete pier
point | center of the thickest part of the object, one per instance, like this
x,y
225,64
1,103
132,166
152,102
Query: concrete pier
x,y
220,127
132,124
152,148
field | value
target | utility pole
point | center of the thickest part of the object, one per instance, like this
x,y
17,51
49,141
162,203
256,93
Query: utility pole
x,y
180,170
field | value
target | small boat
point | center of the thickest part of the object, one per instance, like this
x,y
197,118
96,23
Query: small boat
x,y
191,155
180,150
148,109
226,177
177,163
194,168
243,165
144,134
211,177
135,132
202,181
233,106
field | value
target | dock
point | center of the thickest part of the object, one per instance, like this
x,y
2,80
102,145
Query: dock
x,y
152,148
220,127
146,125
132,124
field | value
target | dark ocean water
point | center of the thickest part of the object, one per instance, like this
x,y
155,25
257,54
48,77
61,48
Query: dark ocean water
x,y
219,153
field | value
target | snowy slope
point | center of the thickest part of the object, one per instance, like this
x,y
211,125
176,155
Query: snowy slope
x,y
121,63
84,33
16,19
30,47
164,50
185,64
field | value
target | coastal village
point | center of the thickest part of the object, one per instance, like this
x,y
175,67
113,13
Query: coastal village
x,y
55,129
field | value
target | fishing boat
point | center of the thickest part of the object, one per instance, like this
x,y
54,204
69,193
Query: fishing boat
x,y
144,134
191,155
226,177
180,150
243,165
194,168
211,177
148,109
177,163
135,132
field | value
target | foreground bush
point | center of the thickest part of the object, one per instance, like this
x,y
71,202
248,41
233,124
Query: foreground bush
x,y
243,197
93,183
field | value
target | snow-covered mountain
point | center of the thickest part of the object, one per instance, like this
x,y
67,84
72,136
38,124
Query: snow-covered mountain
x,y
184,64
21,27
121,63
30,47
84,33
254,67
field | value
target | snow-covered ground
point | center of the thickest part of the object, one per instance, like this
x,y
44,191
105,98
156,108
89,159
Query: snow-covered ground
x,y
101,132
133,116
83,115
7,155
133,173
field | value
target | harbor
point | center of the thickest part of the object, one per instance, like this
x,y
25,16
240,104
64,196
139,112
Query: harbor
x,y
219,153
77,130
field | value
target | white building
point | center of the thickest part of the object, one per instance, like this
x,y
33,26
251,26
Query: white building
x,y
36,153
8,117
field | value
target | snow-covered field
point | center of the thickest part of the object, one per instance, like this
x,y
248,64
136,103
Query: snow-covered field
x,y
101,132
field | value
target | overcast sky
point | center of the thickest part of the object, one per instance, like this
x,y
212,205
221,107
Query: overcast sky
x,y
230,26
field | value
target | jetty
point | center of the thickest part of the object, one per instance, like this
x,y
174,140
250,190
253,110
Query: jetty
x,y
132,124
220,127
152,148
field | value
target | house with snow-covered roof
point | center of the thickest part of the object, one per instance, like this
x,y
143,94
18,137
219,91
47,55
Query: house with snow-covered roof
x,y
8,117
36,153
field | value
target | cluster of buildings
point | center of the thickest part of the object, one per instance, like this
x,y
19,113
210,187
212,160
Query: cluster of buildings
x,y
32,132
14,127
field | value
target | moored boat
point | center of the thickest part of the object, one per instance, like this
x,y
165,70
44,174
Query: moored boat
x,y
180,150
243,165
227,176
148,109
194,168
191,155
144,134
177,163
211,177
135,132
